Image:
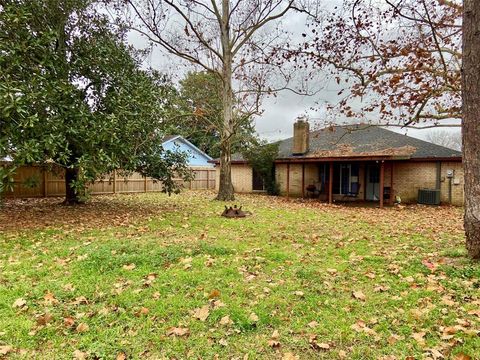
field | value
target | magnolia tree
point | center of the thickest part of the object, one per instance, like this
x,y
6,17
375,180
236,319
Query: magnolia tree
x,y
234,40
401,64
73,95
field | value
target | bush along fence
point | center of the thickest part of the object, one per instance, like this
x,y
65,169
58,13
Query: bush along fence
x,y
35,181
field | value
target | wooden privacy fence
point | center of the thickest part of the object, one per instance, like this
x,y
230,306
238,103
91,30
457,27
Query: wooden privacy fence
x,y
35,181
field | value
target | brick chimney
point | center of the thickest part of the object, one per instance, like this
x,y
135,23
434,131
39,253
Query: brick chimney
x,y
301,141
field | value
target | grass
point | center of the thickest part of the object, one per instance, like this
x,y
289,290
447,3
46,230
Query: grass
x,y
117,278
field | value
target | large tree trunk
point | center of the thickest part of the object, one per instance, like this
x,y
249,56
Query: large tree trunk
x,y
225,189
471,124
71,193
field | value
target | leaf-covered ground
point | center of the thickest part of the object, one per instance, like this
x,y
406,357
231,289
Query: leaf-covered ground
x,y
150,276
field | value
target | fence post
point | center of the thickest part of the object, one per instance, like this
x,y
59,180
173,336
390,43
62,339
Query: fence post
x,y
114,180
208,179
44,183
145,185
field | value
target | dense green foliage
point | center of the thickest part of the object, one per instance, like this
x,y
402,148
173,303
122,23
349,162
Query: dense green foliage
x,y
199,102
261,157
73,95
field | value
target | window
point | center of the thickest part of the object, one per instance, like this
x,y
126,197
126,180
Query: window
x,y
344,175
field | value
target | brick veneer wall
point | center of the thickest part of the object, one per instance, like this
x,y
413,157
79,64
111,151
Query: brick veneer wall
x,y
241,178
408,177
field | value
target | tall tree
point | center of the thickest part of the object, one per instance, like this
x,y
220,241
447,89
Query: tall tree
x,y
199,114
471,124
231,39
73,95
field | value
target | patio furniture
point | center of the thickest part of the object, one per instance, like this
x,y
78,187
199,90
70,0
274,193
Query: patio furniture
x,y
354,190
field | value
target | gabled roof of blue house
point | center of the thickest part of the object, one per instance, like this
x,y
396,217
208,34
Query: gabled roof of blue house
x,y
196,157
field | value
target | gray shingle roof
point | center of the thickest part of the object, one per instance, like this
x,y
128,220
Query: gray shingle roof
x,y
366,140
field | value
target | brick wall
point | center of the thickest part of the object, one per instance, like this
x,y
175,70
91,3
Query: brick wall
x,y
408,177
457,182
241,178
311,177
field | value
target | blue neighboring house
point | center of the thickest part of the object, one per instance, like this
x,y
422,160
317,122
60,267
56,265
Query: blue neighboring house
x,y
196,157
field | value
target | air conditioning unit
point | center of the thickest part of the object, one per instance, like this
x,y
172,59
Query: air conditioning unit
x,y
429,196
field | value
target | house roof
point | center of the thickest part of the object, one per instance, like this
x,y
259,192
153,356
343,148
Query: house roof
x,y
362,141
366,140
169,138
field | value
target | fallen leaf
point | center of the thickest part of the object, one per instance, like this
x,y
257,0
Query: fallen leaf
x,y
19,303
299,293
50,299
312,324
142,311
419,337
323,346
80,300
253,317
359,295
436,354
462,356
178,331
290,356
226,321
214,294
121,356
68,322
44,319
312,340
202,313
79,355
273,343
5,349
217,304
81,328
475,312
129,267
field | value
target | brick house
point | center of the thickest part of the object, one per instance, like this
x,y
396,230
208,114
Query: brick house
x,y
358,163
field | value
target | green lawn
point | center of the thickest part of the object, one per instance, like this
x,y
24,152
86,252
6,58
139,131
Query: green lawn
x,y
150,276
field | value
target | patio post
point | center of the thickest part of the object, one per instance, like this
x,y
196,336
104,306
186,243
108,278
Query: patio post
x,y
288,180
391,183
382,181
303,180
330,184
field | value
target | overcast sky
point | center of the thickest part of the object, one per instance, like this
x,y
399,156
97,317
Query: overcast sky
x,y
280,112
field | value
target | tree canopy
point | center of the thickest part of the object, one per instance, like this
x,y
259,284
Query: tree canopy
x,y
398,61
74,95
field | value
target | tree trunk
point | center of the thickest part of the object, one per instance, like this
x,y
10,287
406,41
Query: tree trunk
x,y
471,124
71,193
225,189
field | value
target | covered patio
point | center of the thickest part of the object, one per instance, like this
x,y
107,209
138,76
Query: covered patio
x,y
347,179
